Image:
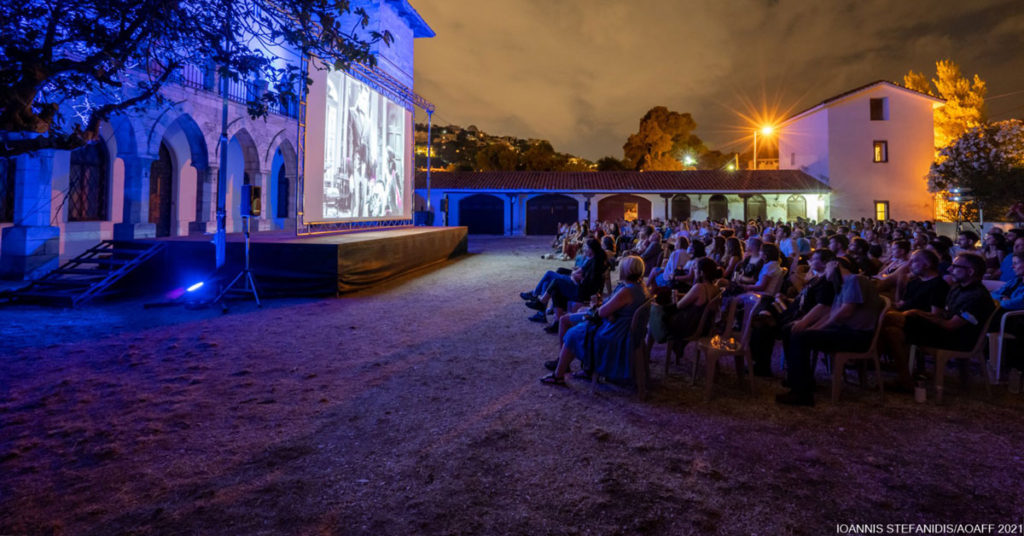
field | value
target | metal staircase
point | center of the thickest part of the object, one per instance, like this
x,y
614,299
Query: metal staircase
x,y
88,275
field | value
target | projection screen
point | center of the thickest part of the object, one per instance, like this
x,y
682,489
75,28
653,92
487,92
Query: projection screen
x,y
358,155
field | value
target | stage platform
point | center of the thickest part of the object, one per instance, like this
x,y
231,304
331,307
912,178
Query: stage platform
x,y
287,265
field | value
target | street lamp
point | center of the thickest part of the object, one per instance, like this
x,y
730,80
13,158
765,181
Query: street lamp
x,y
766,130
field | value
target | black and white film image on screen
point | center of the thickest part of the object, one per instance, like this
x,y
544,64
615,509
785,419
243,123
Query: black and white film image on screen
x,y
364,154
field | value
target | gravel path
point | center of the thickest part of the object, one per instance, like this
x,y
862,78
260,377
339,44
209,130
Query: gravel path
x,y
414,408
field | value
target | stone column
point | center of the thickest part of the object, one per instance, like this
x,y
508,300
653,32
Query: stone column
x,y
31,247
668,201
205,221
261,222
293,192
135,217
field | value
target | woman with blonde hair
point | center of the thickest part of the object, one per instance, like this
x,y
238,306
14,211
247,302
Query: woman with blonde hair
x,y
602,343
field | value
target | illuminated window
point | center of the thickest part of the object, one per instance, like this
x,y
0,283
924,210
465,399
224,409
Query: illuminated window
x,y
631,211
880,109
881,151
881,210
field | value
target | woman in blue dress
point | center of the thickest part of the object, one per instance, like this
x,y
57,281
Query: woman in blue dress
x,y
605,347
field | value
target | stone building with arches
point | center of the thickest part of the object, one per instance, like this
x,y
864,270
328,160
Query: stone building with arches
x,y
154,172
533,203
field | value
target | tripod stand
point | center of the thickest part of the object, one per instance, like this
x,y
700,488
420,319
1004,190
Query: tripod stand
x,y
248,284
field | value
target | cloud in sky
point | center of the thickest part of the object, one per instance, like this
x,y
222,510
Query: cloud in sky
x,y
581,73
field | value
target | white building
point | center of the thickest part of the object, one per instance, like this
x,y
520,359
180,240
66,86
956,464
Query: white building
x,y
154,174
872,146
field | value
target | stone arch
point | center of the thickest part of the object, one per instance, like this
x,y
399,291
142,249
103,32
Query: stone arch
x,y
796,207
681,207
756,208
718,207
243,166
126,135
617,206
281,186
545,212
482,214
161,188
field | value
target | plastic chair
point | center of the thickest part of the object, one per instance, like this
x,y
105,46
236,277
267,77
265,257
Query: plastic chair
x,y
839,359
993,284
942,356
775,286
995,345
638,351
706,319
714,349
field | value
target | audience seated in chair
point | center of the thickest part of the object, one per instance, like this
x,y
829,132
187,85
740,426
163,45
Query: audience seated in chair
x,y
561,289
811,305
602,345
955,326
849,326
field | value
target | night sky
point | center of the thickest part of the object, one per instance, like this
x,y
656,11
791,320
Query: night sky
x,y
581,73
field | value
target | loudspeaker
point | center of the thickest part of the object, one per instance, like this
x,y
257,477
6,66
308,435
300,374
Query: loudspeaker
x,y
251,205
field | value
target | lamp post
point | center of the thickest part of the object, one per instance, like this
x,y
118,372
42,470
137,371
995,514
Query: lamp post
x,y
766,131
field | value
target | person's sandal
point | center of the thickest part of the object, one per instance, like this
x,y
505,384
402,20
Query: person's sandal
x,y
581,375
551,379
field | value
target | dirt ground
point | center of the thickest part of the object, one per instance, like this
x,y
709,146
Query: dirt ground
x,y
414,408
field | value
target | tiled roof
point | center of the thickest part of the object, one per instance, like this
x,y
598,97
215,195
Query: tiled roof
x,y
862,88
713,181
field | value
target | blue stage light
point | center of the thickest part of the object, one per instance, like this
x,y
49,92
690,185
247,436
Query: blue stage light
x,y
195,287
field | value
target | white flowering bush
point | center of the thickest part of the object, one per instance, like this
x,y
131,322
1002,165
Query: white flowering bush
x,y
988,159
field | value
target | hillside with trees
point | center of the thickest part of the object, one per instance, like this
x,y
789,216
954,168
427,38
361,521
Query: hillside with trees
x,y
665,141
470,149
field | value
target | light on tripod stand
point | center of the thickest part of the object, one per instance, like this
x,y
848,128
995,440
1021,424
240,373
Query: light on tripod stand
x,y
195,287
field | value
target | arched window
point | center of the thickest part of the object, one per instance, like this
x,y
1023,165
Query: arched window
x,y
87,183
796,207
7,189
681,207
757,208
718,207
282,193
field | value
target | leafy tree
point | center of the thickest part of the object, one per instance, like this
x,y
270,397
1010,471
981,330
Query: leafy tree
x,y
715,159
66,66
987,159
663,139
496,157
965,100
610,163
541,156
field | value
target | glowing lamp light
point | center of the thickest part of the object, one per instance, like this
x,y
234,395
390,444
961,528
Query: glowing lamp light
x,y
731,167
767,130
195,287
688,160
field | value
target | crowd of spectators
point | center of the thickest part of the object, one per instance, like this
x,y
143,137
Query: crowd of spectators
x,y
821,286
